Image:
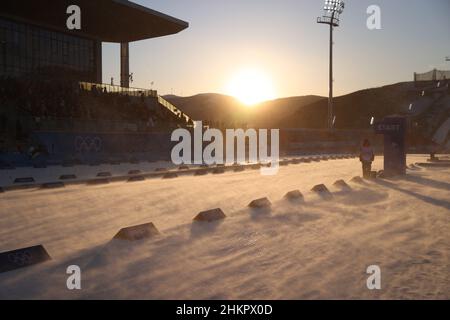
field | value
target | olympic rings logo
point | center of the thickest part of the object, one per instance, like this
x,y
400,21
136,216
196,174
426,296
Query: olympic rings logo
x,y
87,144
20,258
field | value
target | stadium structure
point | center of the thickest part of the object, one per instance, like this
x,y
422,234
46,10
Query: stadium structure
x,y
424,102
53,105
429,112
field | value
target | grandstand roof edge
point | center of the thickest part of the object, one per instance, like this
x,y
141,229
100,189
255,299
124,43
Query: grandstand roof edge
x,y
103,20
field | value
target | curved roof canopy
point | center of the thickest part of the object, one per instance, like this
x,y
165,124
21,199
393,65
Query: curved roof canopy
x,y
105,20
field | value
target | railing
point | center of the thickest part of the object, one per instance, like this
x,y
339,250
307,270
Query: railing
x,y
174,109
133,92
433,75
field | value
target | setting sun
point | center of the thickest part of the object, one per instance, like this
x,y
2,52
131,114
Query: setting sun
x,y
251,86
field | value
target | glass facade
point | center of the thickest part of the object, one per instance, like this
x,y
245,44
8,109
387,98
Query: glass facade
x,y
30,50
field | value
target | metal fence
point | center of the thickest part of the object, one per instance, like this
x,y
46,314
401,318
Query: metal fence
x,y
133,92
433,75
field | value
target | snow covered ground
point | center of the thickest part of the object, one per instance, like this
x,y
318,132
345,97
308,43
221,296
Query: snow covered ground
x,y
311,250
82,172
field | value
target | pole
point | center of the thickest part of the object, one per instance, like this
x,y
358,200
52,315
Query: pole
x,y
330,98
124,65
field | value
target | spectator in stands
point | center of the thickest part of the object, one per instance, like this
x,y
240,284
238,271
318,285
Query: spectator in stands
x,y
48,100
150,123
366,156
36,150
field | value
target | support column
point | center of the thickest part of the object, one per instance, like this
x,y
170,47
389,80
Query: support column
x,y
124,65
98,61
330,98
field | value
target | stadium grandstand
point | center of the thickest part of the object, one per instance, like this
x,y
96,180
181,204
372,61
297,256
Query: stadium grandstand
x,y
424,102
429,112
53,105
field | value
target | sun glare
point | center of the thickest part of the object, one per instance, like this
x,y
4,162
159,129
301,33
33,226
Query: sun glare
x,y
251,87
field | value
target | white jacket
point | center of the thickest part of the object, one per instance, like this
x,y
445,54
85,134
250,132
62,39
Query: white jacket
x,y
367,154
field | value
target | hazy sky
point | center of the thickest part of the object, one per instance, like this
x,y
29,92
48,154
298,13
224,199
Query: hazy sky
x,y
282,38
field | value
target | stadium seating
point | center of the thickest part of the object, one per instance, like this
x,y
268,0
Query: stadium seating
x,y
62,121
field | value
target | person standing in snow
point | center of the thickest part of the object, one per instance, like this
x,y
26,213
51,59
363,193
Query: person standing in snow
x,y
366,156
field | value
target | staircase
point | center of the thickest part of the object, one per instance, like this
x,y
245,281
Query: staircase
x,y
442,135
436,115
432,120
177,112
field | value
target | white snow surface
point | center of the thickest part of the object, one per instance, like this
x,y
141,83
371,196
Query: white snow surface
x,y
318,249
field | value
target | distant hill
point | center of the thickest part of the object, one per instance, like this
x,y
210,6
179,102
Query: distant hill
x,y
352,110
210,106
218,107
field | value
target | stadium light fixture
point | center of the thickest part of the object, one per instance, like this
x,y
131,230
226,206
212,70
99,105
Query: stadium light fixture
x,y
332,11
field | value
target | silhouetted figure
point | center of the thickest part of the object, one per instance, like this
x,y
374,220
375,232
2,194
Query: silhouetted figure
x,y
366,156
433,156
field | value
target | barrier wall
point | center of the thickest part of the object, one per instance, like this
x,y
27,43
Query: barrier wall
x,y
85,147
307,141
90,148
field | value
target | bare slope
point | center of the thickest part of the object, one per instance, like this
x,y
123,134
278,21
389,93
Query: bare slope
x,y
217,107
352,110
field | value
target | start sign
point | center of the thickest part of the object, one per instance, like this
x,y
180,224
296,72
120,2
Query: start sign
x,y
394,131
383,128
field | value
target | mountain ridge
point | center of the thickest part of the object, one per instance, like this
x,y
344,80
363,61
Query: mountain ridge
x,y
353,110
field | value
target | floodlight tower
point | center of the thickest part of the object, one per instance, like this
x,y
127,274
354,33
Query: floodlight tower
x,y
332,10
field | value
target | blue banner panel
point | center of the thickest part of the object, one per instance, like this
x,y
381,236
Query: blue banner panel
x,y
89,146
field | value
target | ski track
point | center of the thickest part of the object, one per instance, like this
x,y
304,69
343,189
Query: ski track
x,y
313,250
